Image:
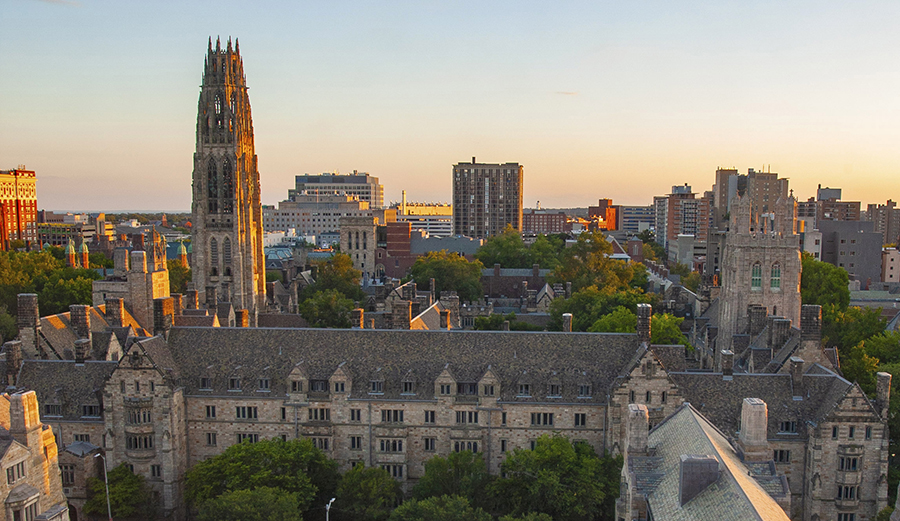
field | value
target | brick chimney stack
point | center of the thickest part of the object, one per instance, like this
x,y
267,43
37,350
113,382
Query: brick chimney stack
x,y
644,317
80,316
115,312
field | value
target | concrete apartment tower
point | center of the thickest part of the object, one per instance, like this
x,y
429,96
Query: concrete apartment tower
x,y
227,216
486,197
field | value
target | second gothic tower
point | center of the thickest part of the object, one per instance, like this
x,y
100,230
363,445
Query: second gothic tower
x,y
226,211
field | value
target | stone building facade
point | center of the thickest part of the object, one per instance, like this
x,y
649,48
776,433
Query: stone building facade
x,y
226,211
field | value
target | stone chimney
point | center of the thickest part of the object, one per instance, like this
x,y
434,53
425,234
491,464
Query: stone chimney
x,y
178,303
241,318
754,437
356,318
497,269
637,430
535,270
727,362
29,324
445,319
696,473
568,290
433,286
796,369
567,322
13,350
138,261
644,317
401,314
505,325
82,350
25,419
882,393
212,297
779,332
163,315
120,263
757,315
191,299
115,312
811,322
80,317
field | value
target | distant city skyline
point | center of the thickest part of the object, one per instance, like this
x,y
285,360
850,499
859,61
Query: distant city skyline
x,y
613,100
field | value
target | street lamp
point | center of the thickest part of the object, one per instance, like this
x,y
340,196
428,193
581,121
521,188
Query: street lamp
x,y
327,509
106,482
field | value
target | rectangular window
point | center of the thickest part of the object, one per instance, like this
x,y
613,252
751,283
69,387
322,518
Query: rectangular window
x,y
848,463
524,390
338,387
834,433
466,417
502,418
263,384
156,471
251,438
580,419
296,386
92,411
391,416
647,397
503,445
868,433
210,411
206,383
846,517
459,446
390,445
234,384
211,439
489,390
430,444
355,415
554,390
68,475
542,418
15,472
284,413
83,437
847,492
321,443
787,427
852,432
467,389
319,415
355,442
782,456
429,416
52,409
445,389
245,413
631,397
137,386
318,386
376,387
409,388
396,471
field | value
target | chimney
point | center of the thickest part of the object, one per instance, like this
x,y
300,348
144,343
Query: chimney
x,y
505,325
882,393
356,318
25,419
727,362
779,332
696,473
757,317
212,297
13,350
811,322
177,303
445,319
535,270
115,312
192,299
401,314
241,318
796,369
754,435
568,290
138,261
644,317
637,430
567,322
80,317
29,324
163,315
120,263
433,286
497,269
82,350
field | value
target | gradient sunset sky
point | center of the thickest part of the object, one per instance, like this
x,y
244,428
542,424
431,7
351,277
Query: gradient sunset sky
x,y
619,99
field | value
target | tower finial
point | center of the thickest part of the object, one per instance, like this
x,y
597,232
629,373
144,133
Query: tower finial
x,y
237,46
210,44
218,44
229,44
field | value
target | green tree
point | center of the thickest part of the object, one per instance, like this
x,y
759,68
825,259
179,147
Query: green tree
x,y
450,273
495,323
8,328
823,284
621,320
507,249
444,508
179,276
294,466
366,493
531,516
591,303
691,281
128,495
846,329
665,329
546,250
258,504
566,481
338,274
274,276
588,263
99,260
459,474
329,308
59,293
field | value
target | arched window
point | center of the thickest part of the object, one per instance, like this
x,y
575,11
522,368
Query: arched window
x,y
775,279
232,102
227,187
212,186
220,118
226,251
756,276
218,104
213,256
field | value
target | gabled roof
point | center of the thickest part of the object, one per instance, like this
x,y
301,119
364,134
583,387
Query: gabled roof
x,y
58,332
66,383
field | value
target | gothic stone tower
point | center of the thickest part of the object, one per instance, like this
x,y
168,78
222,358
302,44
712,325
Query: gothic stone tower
x,y
227,216
760,266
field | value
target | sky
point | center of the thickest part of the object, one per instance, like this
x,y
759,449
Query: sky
x,y
597,99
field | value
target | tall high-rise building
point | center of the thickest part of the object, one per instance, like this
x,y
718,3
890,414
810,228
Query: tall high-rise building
x,y
887,220
358,184
227,216
486,197
18,206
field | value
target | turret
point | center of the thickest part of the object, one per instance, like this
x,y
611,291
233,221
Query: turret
x,y
70,255
84,255
182,255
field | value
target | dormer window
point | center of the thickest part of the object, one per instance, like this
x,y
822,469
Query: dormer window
x,y
263,384
296,386
787,427
376,387
445,389
339,387
554,390
409,387
318,386
524,390
584,391
466,389
234,384
53,409
488,390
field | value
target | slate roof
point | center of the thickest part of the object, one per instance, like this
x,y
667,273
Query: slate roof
x,y
719,399
281,320
81,448
515,272
515,357
736,495
66,383
58,332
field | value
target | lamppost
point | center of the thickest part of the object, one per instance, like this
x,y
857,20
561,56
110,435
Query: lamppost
x,y
327,509
106,482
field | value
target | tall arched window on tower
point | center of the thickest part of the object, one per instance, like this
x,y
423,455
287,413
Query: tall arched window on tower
x,y
775,279
219,116
756,276
213,256
212,186
226,255
227,187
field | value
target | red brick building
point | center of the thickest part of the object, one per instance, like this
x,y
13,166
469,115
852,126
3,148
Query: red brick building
x,y
18,206
543,221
